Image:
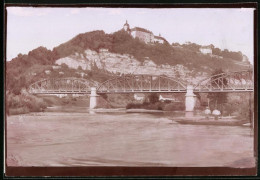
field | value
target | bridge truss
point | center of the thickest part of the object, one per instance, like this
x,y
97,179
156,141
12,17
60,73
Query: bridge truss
x,y
227,82
62,86
141,83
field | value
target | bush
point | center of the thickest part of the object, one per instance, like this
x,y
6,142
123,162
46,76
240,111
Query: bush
x,y
159,108
119,100
152,107
134,106
24,103
21,110
153,98
238,105
174,107
160,105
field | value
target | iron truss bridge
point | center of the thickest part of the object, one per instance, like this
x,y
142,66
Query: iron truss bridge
x,y
141,83
225,82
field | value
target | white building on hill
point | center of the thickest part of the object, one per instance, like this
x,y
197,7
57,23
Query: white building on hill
x,y
143,34
206,50
159,39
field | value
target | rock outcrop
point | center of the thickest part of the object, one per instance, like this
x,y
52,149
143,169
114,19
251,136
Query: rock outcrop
x,y
120,63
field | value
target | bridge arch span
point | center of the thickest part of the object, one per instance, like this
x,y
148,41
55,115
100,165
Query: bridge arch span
x,y
68,85
241,81
141,83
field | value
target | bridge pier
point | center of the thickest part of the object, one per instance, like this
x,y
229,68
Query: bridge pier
x,y
190,100
93,98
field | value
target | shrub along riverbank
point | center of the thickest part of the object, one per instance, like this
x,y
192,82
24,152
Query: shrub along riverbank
x,y
26,103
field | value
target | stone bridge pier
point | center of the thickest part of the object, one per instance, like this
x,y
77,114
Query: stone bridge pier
x,y
93,98
190,100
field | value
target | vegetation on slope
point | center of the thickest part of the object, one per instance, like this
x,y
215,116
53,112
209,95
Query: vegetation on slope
x,y
91,40
237,56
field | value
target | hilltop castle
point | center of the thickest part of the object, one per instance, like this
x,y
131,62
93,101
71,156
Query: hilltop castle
x,y
143,34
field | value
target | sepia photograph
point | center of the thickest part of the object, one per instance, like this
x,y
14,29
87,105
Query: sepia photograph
x,y
130,87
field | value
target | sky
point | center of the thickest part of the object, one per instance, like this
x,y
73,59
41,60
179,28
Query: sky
x,y
29,28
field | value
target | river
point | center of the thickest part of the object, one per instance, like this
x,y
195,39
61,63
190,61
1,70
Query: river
x,y
78,138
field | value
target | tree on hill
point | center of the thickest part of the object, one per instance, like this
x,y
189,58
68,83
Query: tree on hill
x,y
124,43
238,56
91,40
16,69
192,46
40,55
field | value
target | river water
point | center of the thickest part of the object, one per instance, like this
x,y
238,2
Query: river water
x,y
79,138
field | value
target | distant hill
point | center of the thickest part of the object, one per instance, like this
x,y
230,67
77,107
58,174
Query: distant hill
x,y
121,42
20,69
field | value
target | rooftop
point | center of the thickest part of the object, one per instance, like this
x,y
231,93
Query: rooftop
x,y
140,29
159,37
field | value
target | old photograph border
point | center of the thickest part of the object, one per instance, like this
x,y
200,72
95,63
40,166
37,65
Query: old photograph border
x,y
141,171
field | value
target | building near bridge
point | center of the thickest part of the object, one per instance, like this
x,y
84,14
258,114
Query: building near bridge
x,y
143,34
168,97
139,96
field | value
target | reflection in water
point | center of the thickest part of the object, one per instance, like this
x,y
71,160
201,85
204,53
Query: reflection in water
x,y
123,139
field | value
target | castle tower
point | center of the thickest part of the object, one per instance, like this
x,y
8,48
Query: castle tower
x,y
127,27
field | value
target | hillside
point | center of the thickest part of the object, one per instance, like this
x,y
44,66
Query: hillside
x,y
82,57
122,43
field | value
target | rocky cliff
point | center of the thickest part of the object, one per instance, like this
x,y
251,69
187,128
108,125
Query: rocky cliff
x,y
121,63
